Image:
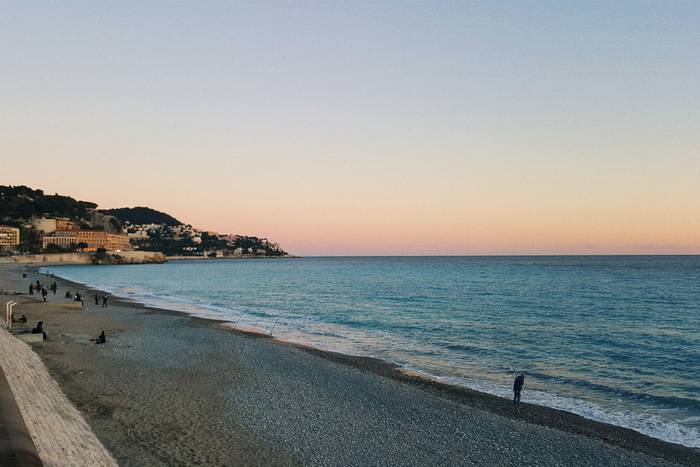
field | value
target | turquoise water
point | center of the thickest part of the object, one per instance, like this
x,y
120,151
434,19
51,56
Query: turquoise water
x,y
616,339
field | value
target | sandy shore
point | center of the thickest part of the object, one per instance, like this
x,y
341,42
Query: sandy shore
x,y
169,389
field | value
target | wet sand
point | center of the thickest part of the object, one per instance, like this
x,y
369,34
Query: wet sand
x,y
169,389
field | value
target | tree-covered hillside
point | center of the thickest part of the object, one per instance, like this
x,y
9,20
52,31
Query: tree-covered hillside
x,y
151,229
141,215
21,203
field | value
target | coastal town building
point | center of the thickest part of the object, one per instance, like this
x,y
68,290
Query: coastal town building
x,y
65,224
63,239
49,225
93,239
138,235
9,237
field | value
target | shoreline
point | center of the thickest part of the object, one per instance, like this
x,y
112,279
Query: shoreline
x,y
542,416
127,257
398,372
200,258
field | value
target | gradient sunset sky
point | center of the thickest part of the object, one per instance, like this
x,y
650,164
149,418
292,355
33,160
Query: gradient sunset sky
x,y
367,127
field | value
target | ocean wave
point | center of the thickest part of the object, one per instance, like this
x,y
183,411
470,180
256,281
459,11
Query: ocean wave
x,y
674,402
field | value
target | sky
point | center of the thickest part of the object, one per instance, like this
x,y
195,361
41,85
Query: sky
x,y
367,128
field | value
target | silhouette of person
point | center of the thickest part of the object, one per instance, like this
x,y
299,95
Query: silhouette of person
x,y
518,388
104,301
31,289
101,339
39,329
22,319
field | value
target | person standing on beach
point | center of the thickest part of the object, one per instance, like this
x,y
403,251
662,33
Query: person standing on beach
x,y
97,299
44,293
54,286
31,289
79,298
518,388
104,301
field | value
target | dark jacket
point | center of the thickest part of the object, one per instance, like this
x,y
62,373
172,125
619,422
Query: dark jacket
x,y
518,384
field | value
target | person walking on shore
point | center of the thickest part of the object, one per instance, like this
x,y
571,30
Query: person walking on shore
x,y
104,301
97,299
44,293
54,286
31,289
518,388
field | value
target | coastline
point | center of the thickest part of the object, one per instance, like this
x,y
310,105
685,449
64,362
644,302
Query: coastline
x,y
492,407
83,258
202,258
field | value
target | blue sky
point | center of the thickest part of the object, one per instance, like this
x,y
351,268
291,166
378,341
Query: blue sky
x,y
368,127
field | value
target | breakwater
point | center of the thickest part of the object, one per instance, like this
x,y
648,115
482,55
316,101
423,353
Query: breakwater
x,y
120,257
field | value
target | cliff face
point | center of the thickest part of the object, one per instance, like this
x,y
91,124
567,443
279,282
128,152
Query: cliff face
x,y
130,257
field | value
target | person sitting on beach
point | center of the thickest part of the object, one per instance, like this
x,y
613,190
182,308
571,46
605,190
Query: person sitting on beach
x,y
518,388
39,329
101,339
68,294
22,319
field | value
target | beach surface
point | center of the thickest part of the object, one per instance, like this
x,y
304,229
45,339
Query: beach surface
x,y
170,389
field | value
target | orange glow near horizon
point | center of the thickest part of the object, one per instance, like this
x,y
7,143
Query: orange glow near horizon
x,y
397,222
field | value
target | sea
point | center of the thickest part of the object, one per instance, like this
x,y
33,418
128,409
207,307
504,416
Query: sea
x,y
612,338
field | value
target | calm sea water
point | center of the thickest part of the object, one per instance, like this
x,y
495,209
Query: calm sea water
x,y
616,339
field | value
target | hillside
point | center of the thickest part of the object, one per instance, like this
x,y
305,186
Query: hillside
x,y
141,215
150,229
21,203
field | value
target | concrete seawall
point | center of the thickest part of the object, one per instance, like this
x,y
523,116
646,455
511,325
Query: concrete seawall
x,y
16,445
60,435
126,257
